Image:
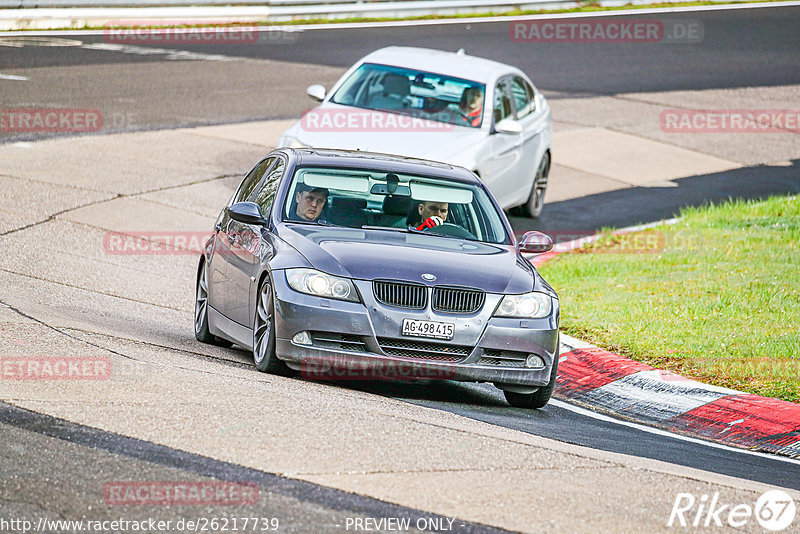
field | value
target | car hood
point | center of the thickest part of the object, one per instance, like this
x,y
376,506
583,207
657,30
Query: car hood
x,y
371,254
438,141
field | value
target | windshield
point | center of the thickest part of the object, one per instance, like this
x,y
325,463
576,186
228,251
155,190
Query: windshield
x,y
422,94
399,202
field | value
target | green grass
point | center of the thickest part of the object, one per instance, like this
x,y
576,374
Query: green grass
x,y
715,298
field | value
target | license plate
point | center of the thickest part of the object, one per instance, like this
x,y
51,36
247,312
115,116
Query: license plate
x,y
435,329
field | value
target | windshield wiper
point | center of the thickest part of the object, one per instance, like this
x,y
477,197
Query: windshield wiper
x,y
413,230
320,222
392,228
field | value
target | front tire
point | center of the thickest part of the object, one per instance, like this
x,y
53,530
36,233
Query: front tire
x,y
533,207
264,334
201,331
540,397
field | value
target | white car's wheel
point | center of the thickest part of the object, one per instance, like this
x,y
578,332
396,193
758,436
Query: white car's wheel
x,y
533,207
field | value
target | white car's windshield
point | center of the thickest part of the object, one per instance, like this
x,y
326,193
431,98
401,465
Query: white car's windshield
x,y
375,198
422,94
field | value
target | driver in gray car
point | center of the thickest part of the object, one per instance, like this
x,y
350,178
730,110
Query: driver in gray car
x,y
310,203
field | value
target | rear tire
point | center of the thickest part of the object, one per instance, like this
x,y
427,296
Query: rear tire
x,y
201,331
264,334
540,397
533,207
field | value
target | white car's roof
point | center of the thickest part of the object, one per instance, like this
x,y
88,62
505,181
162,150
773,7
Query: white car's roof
x,y
441,62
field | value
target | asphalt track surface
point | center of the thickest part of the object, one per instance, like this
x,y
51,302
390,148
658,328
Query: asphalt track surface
x,y
740,49
88,454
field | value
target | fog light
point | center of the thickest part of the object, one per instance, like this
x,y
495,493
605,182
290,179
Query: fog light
x,y
534,361
302,338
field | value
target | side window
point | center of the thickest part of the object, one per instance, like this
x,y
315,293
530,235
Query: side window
x,y
264,194
462,215
522,93
502,104
251,180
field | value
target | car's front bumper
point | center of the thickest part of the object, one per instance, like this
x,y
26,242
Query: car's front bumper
x,y
491,349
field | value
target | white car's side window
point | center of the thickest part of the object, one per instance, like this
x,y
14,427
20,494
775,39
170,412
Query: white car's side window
x,y
522,94
502,103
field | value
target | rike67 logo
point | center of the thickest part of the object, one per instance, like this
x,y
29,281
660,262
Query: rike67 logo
x,y
774,511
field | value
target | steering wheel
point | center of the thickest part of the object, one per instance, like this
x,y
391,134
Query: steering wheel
x,y
450,229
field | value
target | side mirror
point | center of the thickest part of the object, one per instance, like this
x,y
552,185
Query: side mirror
x,y
535,243
247,213
316,91
508,126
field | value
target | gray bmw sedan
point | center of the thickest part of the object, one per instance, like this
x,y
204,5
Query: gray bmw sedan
x,y
351,265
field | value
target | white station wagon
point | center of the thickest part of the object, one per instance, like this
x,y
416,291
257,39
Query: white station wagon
x,y
479,114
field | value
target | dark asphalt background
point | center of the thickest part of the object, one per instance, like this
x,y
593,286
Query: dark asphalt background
x,y
71,465
739,48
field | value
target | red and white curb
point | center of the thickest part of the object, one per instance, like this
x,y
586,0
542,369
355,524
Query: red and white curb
x,y
610,383
607,382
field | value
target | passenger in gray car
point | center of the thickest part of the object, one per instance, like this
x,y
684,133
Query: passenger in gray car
x,y
428,214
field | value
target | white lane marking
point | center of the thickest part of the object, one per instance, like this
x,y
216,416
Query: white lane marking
x,y
147,51
435,22
657,431
18,41
13,77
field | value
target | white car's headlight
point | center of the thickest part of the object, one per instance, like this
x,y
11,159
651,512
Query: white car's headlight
x,y
533,305
319,284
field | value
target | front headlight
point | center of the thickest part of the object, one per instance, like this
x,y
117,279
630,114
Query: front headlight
x,y
532,305
319,284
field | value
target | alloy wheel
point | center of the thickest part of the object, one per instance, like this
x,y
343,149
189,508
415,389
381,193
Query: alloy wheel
x,y
263,326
